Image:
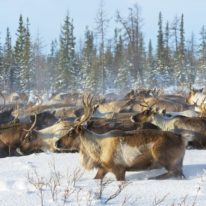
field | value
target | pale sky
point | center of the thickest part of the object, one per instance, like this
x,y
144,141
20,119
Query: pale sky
x,y
46,16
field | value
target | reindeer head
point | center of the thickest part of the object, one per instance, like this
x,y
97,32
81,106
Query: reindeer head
x,y
145,116
71,141
27,145
192,93
201,108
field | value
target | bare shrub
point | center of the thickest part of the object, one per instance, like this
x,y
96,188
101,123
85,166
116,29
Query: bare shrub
x,y
121,186
74,177
67,193
54,181
159,201
39,183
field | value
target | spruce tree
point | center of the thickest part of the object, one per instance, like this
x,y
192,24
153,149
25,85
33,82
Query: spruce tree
x,y
67,70
175,60
133,39
150,67
202,56
202,46
19,53
167,53
9,66
150,57
160,44
39,69
88,66
160,75
26,72
52,63
123,74
102,23
168,70
191,62
1,66
109,65
142,57
181,51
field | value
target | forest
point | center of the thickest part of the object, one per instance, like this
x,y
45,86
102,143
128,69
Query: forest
x,y
99,63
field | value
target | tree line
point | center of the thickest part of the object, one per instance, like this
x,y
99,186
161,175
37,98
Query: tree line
x,y
121,62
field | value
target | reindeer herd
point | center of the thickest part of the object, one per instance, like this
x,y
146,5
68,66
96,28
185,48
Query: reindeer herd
x,y
141,131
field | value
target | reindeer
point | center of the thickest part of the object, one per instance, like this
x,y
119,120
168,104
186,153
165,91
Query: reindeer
x,y
193,127
44,140
195,96
120,151
201,108
170,106
12,136
72,144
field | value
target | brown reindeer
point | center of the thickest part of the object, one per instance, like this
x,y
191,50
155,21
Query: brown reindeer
x,y
12,136
45,139
120,151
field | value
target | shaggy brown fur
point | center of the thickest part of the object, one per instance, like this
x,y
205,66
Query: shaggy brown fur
x,y
149,148
11,137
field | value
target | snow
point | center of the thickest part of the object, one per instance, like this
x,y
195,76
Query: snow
x,y
23,178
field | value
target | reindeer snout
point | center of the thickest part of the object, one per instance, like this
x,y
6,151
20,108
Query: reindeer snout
x,y
132,118
59,144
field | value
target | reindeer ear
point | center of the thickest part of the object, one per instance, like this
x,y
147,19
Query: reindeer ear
x,y
145,112
71,131
164,111
95,107
155,109
193,91
201,90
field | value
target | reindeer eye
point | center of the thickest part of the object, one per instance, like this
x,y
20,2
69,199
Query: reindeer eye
x,y
71,133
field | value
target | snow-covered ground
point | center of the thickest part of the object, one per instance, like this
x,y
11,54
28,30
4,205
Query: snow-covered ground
x,y
58,179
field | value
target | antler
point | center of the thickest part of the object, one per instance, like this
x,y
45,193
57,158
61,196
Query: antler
x,y
202,107
39,99
31,128
147,105
88,110
155,92
195,103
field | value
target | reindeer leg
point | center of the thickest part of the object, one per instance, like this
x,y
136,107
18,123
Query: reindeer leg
x,y
176,174
3,149
119,173
173,171
100,173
